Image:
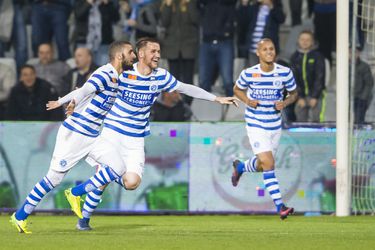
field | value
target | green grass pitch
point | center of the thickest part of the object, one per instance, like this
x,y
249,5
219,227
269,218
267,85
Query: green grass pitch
x,y
193,232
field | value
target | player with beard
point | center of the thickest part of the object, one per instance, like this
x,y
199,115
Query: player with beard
x,y
76,136
120,147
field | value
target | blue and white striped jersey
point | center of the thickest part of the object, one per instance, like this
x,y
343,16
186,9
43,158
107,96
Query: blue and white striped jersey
x,y
267,88
130,113
89,114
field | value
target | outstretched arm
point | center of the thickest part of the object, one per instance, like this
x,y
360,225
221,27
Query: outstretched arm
x,y
199,93
76,95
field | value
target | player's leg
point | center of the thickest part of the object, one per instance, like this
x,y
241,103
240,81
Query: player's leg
x,y
92,201
112,167
257,139
70,147
267,163
44,186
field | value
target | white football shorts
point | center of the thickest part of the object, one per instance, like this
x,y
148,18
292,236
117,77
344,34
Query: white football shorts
x,y
262,140
120,152
70,147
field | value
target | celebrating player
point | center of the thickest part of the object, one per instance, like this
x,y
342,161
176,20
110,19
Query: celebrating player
x,y
261,88
120,147
77,133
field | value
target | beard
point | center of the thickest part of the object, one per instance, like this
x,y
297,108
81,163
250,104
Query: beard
x,y
126,65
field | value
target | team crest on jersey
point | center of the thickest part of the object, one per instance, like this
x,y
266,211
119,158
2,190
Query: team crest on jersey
x,y
63,163
114,80
277,83
153,88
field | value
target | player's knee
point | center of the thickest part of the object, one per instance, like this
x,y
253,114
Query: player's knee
x,y
55,177
266,163
131,181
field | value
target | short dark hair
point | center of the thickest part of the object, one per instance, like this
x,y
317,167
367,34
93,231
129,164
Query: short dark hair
x,y
142,42
28,66
116,47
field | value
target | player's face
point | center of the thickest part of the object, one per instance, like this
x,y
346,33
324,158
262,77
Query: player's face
x,y
152,55
266,52
128,57
305,41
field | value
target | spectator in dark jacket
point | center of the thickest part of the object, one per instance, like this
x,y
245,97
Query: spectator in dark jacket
x,y
180,45
93,28
170,108
309,71
363,85
27,100
84,68
257,20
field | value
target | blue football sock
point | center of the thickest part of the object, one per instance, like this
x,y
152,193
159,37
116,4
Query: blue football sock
x,y
240,167
104,176
272,185
33,199
251,165
92,200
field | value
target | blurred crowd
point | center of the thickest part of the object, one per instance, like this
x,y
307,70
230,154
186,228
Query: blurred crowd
x,y
69,39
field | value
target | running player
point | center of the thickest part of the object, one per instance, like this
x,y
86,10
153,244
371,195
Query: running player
x,y
78,132
261,88
120,147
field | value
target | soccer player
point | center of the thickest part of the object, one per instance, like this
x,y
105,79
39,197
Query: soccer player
x,y
261,88
120,147
78,132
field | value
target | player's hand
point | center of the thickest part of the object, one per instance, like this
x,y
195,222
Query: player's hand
x,y
52,105
70,108
252,103
227,100
280,105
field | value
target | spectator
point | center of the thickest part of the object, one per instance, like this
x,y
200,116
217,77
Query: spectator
x,y
170,107
7,81
308,67
27,100
180,45
78,76
93,26
296,10
49,20
217,49
260,19
18,37
363,85
50,69
143,18
325,26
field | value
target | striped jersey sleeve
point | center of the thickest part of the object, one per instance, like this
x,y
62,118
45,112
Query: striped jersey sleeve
x,y
89,113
